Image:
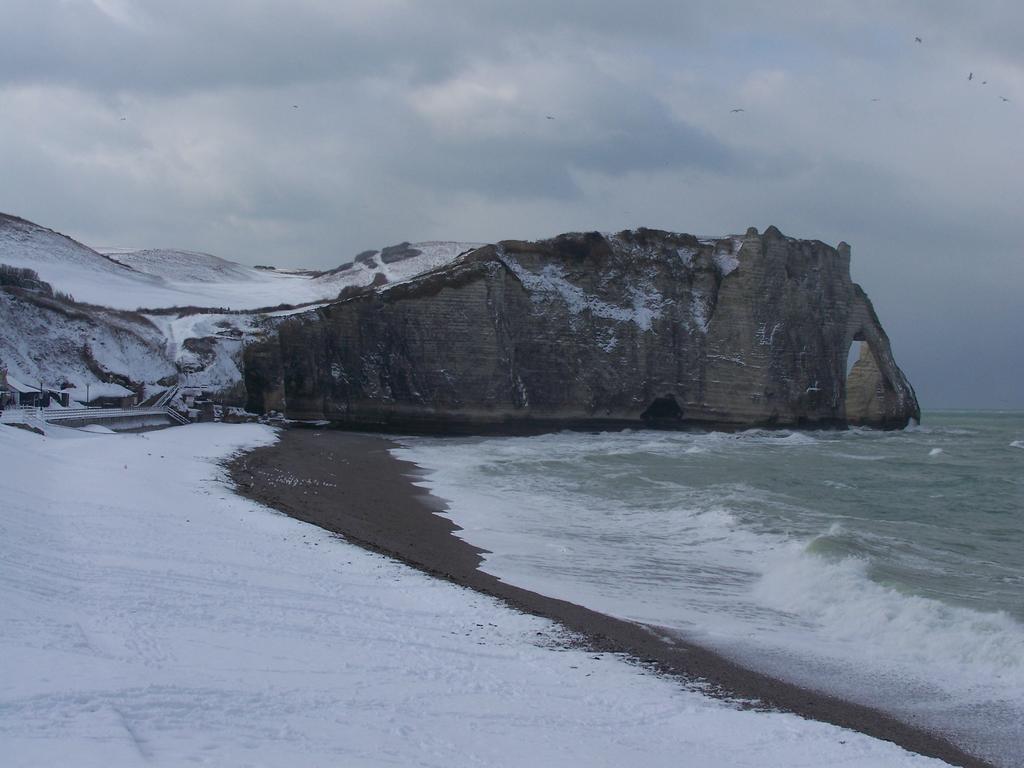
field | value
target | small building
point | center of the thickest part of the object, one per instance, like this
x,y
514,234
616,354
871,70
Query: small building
x,y
18,394
107,395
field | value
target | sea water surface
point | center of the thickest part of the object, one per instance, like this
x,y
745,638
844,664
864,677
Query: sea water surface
x,y
885,567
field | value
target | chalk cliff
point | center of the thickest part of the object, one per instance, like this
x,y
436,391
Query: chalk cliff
x,y
639,328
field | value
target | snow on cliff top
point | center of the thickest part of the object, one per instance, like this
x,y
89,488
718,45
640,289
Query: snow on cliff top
x,y
160,278
210,281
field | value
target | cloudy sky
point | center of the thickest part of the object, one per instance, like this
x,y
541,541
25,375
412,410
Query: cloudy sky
x,y
300,132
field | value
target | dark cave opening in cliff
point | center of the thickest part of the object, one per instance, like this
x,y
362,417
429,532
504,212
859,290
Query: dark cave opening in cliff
x,y
662,410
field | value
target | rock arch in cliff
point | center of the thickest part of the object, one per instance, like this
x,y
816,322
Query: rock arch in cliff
x,y
876,393
866,385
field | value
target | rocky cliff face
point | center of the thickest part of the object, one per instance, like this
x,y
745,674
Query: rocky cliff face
x,y
641,328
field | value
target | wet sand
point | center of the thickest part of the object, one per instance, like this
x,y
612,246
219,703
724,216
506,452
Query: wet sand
x,y
351,485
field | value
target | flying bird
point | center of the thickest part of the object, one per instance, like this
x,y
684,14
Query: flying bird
x,y
549,117
970,77
123,117
918,40
738,109
876,99
295,106
984,82
1004,98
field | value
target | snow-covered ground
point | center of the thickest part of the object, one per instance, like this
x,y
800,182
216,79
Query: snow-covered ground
x,y
150,616
183,266
203,280
161,278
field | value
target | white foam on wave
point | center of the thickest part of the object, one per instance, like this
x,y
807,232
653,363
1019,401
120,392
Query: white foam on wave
x,y
862,623
540,448
735,581
791,438
938,430
770,437
753,584
517,520
1017,444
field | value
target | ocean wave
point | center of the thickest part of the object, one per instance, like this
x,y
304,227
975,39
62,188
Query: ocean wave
x,y
940,430
773,437
860,620
780,548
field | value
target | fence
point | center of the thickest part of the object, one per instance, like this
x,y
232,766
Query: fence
x,y
42,416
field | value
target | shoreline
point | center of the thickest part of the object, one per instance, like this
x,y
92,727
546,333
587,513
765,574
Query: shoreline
x,y
350,484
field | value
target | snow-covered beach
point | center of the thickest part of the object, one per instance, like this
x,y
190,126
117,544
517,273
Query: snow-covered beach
x,y
152,616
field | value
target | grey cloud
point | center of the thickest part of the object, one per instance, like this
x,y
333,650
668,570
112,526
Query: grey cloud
x,y
193,45
636,135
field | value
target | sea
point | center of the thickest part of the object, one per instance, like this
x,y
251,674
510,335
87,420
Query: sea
x,y
886,567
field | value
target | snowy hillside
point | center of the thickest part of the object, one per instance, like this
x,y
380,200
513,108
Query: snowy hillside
x,y
150,616
202,280
183,266
154,279
72,267
63,346
56,341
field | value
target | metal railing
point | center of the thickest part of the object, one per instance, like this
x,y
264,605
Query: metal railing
x,y
42,416
166,397
22,415
70,414
175,416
